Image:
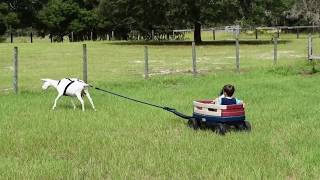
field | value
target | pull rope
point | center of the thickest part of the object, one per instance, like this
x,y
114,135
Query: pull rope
x,y
172,110
142,102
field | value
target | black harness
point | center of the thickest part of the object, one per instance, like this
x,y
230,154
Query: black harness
x,y
65,89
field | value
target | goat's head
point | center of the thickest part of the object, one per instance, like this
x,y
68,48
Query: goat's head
x,y
46,83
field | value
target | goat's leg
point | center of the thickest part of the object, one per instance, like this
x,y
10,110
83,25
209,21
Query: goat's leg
x,y
81,100
74,106
89,97
55,101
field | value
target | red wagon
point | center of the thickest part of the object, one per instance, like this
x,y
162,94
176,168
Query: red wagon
x,y
220,118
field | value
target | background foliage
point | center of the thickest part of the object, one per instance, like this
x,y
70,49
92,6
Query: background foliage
x,y
59,18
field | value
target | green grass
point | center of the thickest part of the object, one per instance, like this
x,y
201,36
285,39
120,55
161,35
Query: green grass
x,y
124,140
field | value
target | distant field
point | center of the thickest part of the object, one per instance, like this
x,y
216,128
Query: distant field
x,y
124,140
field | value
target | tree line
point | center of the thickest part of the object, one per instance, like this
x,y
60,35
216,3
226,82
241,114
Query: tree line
x,y
58,18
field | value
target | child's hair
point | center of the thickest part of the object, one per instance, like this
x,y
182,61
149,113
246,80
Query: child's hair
x,y
228,89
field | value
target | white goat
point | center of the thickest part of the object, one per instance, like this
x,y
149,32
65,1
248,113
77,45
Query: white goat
x,y
69,87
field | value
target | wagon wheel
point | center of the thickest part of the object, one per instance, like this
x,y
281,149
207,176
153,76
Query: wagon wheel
x,y
193,123
245,126
220,129
238,127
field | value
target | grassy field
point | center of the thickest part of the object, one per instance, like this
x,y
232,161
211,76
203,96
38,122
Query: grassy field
x,y
124,140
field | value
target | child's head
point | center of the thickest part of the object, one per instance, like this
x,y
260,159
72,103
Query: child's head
x,y
228,90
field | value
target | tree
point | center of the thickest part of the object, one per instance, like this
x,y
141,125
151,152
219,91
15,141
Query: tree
x,y
307,10
264,12
25,11
3,12
56,17
201,12
87,21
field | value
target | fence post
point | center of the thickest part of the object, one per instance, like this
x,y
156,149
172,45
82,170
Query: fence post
x,y
51,38
72,40
15,70
146,63
85,63
237,55
214,34
275,51
313,29
256,31
31,39
309,47
112,35
152,34
194,59
298,33
278,32
11,37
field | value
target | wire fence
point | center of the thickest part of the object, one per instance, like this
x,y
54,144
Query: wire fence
x,y
208,34
114,62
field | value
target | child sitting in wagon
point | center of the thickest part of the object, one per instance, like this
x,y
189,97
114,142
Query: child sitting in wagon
x,y
226,96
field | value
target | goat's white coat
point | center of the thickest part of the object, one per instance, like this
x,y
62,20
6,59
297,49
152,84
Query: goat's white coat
x,y
74,90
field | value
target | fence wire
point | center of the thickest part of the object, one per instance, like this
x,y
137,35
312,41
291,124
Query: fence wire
x,y
113,62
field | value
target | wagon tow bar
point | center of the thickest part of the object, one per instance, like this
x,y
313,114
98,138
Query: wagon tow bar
x,y
172,110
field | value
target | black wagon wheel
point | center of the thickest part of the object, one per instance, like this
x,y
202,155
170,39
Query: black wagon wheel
x,y
220,129
245,126
193,123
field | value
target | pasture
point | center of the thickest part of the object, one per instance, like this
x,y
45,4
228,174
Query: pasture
x,y
125,140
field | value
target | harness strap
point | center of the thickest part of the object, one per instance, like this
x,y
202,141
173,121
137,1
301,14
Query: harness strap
x,y
65,89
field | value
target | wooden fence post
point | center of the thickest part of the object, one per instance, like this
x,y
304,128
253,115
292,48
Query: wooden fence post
x,y
237,54
31,38
214,34
194,59
146,63
85,64
309,47
11,37
278,32
298,35
91,36
275,51
112,35
152,35
72,37
15,70
256,31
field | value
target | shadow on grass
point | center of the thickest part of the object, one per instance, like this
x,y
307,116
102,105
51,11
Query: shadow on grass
x,y
3,39
204,43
